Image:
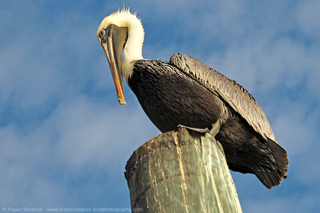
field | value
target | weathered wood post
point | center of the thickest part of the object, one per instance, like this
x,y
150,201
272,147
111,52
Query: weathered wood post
x,y
181,172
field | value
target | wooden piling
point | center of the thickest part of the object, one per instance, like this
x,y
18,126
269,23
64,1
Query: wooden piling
x,y
182,171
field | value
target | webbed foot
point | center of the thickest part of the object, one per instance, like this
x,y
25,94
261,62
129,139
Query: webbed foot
x,y
202,131
215,128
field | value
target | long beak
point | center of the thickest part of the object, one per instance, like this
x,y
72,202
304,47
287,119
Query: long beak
x,y
112,45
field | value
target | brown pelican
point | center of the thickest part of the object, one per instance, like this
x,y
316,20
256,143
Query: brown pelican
x,y
184,91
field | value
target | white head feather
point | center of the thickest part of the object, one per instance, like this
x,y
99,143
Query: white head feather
x,y
132,50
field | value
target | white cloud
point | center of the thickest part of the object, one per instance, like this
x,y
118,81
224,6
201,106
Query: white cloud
x,y
295,128
79,136
98,134
59,77
285,204
265,63
23,74
307,16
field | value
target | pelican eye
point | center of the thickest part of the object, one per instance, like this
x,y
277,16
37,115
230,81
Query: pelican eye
x,y
102,33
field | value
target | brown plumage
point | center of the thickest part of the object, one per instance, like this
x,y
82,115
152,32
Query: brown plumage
x,y
185,91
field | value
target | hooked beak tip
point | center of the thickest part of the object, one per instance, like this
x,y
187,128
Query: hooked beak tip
x,y
122,101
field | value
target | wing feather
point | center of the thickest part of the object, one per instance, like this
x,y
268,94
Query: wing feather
x,y
230,91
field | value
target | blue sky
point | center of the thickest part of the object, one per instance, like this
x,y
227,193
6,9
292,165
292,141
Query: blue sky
x,y
65,140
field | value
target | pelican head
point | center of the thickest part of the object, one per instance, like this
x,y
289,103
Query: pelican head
x,y
121,33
